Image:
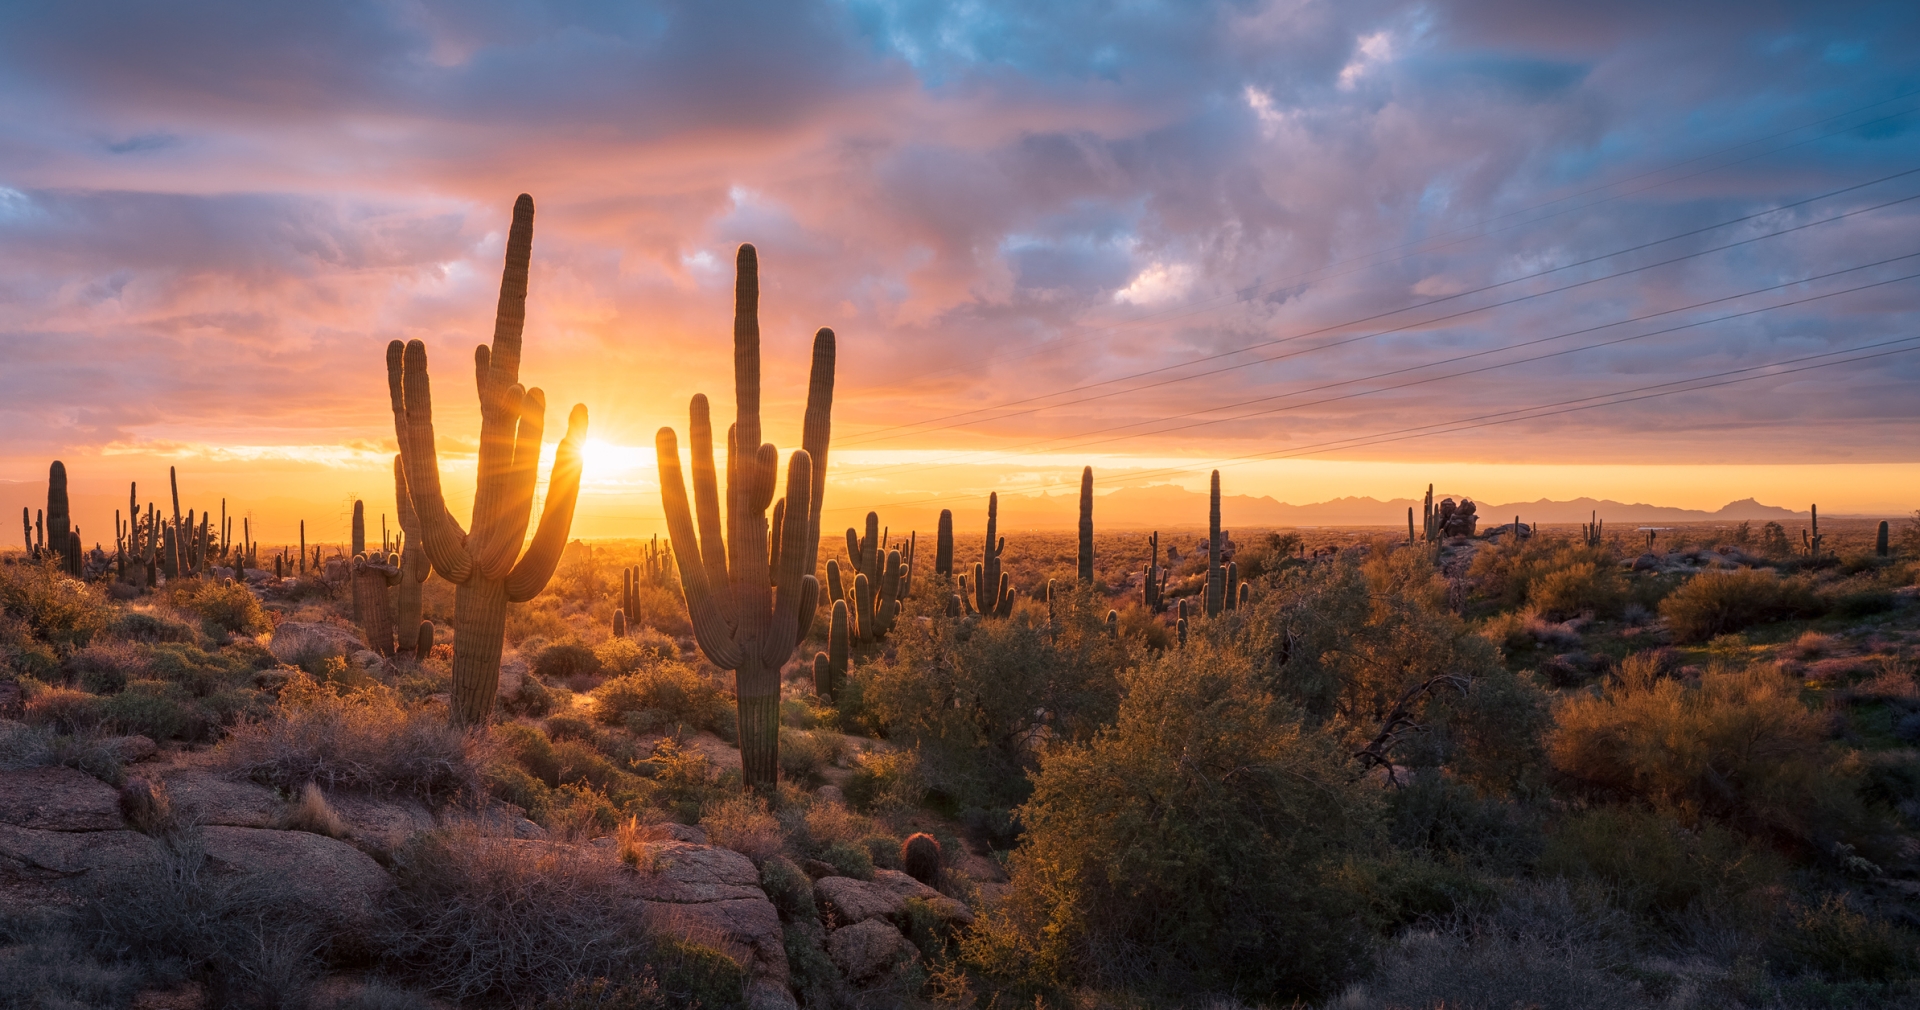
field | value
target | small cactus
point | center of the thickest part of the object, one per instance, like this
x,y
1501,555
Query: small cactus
x,y
619,624
423,641
1154,580
1216,573
1880,542
1113,624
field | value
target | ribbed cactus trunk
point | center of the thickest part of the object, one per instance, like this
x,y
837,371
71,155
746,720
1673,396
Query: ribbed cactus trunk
x,y
830,667
373,575
1086,526
1216,575
486,565
58,519
749,608
943,545
992,589
359,545
414,566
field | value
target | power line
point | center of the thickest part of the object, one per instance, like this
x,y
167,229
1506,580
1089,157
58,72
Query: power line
x,y
877,435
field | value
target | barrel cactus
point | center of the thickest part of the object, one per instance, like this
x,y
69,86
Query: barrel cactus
x,y
485,564
741,621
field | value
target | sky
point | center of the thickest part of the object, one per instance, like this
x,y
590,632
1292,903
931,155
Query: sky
x,y
1641,251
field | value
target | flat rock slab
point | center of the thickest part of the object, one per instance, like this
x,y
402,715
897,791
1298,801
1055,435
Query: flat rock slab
x,y
381,826
204,797
748,929
336,881
59,799
885,897
83,862
692,874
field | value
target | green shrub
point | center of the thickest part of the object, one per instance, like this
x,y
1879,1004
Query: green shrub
x,y
566,661
1838,941
849,859
569,727
1655,867
1438,816
59,610
802,755
104,669
1715,603
660,696
886,781
135,626
790,890
1209,872
225,608
1579,587
156,709
64,709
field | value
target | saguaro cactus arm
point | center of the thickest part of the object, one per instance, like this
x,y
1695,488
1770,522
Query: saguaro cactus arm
x,y
530,575
711,629
412,391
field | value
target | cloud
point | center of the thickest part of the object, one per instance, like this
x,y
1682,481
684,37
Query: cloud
x,y
213,218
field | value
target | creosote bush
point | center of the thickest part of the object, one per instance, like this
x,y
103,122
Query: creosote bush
x,y
1186,848
1715,603
661,695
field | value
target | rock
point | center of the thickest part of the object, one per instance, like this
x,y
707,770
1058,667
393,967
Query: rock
x,y
1646,563
830,794
698,873
712,896
513,673
294,641
204,797
371,661
865,950
334,881
980,868
47,866
692,834
817,868
765,995
885,898
380,826
58,799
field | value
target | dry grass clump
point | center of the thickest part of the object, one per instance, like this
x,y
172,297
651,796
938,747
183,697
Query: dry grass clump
x,y
311,812
480,916
660,695
147,806
224,608
365,739
741,823
61,611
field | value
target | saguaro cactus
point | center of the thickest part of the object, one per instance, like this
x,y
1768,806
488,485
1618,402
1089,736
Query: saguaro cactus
x,y
372,576
1086,526
1880,542
1154,580
1216,575
414,566
58,521
943,545
741,621
992,589
830,667
359,549
485,564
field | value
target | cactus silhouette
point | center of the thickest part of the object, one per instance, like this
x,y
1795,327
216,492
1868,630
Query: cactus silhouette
x,y
485,564
830,667
1216,576
741,621
373,575
414,566
943,545
1880,542
992,591
1154,581
58,521
1086,526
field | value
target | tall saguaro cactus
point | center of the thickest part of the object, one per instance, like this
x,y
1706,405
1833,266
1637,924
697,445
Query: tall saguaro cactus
x,y
992,591
750,609
485,564
1086,526
1216,574
58,519
943,545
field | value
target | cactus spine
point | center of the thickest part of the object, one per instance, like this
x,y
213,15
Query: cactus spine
x,y
943,546
1216,575
1086,526
58,520
740,620
992,591
1880,542
485,565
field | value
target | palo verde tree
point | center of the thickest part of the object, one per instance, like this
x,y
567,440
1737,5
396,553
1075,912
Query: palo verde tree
x,y
484,563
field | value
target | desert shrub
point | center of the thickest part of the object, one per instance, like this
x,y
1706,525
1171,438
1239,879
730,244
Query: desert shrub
x,y
364,739
802,754
59,610
577,761
1655,867
1740,746
641,647
224,608
1206,873
577,811
1558,577
566,661
23,746
1837,940
532,698
147,806
157,709
1579,587
476,916
1715,603
683,778
569,727
790,890
886,781
1438,816
663,609
531,748
44,965
135,626
641,993
104,669
849,859
742,823
660,696
64,709
311,812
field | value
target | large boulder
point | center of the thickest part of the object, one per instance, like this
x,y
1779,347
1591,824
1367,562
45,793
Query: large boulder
x,y
337,883
58,799
691,874
866,950
884,897
39,867
380,826
713,896
205,797
295,641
